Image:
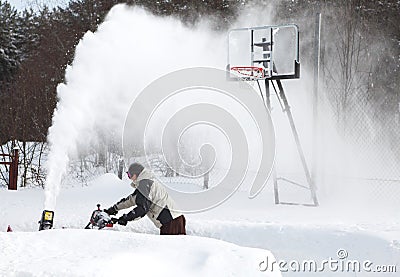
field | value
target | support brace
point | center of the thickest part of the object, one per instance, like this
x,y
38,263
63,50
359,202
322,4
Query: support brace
x,y
281,94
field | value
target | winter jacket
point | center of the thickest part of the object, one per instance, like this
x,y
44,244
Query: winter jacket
x,y
151,199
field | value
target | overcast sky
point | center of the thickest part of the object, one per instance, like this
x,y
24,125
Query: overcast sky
x,y
35,4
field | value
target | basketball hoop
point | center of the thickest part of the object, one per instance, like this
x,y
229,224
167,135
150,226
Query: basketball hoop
x,y
249,72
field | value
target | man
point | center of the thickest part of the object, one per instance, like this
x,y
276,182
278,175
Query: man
x,y
151,199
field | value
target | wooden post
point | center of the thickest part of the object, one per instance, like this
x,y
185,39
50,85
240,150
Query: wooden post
x,y
120,168
13,172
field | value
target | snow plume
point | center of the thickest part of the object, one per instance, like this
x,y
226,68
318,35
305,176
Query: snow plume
x,y
130,49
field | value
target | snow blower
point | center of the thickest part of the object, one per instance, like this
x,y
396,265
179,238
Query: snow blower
x,y
100,220
46,222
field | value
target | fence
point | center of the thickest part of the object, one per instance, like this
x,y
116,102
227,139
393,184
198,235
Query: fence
x,y
359,150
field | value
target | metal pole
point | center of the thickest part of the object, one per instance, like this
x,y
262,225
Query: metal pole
x,y
252,47
274,177
317,53
297,140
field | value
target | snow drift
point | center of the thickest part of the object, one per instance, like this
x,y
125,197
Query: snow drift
x,y
289,233
107,253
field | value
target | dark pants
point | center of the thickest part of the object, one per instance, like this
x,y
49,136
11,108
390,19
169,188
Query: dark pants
x,y
174,227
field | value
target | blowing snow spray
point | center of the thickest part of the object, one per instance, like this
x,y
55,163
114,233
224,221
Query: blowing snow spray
x,y
46,222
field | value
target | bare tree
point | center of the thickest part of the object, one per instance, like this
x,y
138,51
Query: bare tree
x,y
346,62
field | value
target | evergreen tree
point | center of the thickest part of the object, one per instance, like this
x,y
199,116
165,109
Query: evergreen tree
x,y
9,52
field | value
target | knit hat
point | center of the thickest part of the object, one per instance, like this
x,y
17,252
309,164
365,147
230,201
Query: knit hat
x,y
135,168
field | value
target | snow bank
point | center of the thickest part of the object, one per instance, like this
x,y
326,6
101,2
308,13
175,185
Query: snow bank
x,y
108,253
289,232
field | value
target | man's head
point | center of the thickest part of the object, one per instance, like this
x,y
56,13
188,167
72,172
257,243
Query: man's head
x,y
134,171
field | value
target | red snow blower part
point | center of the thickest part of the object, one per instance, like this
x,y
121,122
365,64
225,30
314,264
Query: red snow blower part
x,y
100,220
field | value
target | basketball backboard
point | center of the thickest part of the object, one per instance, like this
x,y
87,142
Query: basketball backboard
x,y
270,50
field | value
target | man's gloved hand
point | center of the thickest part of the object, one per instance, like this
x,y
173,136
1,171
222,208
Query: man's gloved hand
x,y
111,211
123,220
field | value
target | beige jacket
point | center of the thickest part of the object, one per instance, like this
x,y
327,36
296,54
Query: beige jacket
x,y
151,199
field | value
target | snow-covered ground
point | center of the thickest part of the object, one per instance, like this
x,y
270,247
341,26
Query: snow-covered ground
x,y
242,236
107,253
234,239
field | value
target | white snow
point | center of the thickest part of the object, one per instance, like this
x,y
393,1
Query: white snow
x,y
251,228
110,68
69,250
108,253
233,239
